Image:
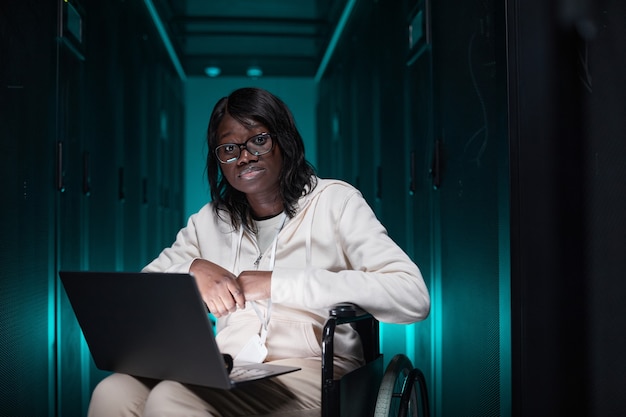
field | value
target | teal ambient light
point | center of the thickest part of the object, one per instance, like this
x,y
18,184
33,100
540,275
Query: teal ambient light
x,y
212,71
254,71
330,49
167,43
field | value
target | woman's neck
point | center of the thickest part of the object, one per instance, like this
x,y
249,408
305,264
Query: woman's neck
x,y
265,208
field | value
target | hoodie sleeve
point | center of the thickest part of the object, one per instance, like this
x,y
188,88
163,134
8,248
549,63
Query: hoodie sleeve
x,y
379,276
178,257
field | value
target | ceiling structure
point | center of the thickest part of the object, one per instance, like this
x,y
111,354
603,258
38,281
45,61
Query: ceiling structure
x,y
283,38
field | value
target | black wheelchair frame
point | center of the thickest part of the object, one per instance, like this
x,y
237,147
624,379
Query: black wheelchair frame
x,y
367,391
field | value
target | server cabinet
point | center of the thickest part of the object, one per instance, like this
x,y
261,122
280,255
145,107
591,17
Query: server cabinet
x,y
85,88
433,80
27,91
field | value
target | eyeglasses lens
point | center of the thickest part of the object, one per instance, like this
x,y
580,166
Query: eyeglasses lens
x,y
256,145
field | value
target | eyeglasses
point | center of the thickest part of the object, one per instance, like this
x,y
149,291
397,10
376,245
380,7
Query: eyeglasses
x,y
256,145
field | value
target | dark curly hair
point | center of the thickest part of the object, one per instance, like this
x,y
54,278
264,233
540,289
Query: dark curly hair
x,y
297,175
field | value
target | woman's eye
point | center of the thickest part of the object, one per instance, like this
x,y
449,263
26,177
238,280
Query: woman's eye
x,y
259,140
229,148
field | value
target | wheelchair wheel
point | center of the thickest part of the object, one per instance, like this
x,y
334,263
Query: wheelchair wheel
x,y
398,393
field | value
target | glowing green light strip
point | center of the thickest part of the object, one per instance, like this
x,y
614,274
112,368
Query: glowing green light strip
x,y
347,11
166,39
53,284
409,343
437,305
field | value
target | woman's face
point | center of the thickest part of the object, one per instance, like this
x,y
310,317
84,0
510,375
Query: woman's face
x,y
250,174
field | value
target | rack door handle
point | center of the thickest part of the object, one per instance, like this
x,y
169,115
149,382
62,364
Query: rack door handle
x,y
60,184
436,167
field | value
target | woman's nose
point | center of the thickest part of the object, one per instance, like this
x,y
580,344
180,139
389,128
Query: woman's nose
x,y
245,157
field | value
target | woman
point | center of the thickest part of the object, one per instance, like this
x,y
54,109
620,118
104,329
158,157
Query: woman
x,y
274,249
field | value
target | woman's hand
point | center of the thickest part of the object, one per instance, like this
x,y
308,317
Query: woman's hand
x,y
219,288
256,285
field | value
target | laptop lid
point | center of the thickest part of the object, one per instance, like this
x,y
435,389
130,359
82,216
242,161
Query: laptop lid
x,y
153,325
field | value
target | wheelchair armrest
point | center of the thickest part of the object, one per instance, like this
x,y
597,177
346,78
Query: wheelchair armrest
x,y
365,324
367,327
347,313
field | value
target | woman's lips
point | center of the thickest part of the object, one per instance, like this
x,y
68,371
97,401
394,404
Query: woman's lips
x,y
250,172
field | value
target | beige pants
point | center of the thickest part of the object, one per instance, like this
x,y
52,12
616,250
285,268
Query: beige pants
x,y
294,394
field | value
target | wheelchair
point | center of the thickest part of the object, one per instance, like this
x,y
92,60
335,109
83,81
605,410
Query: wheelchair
x,y
368,391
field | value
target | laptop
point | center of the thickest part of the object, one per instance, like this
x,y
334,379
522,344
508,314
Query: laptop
x,y
154,325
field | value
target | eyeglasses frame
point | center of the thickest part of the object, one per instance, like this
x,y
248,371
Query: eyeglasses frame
x,y
243,146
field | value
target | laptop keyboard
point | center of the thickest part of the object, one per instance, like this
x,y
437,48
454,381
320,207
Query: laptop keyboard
x,y
242,374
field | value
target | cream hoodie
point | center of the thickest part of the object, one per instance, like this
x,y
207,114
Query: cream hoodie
x,y
333,250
